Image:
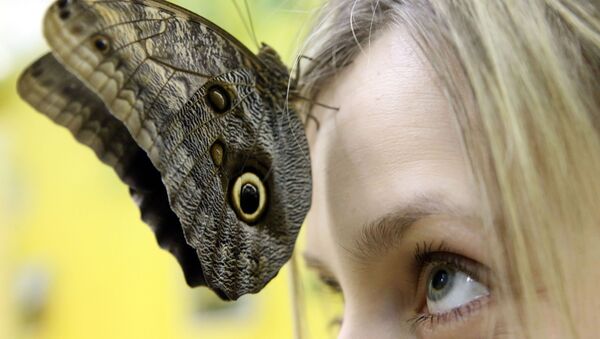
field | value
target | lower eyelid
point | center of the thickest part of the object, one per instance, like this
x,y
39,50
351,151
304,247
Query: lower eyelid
x,y
435,323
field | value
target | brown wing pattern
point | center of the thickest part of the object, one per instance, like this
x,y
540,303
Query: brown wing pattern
x,y
142,60
58,94
212,119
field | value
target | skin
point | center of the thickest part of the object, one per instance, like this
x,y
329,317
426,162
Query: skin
x,y
391,152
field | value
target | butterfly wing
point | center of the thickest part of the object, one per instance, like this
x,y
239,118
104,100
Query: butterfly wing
x,y
207,113
58,94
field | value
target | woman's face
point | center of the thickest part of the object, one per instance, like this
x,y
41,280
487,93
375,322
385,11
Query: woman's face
x,y
393,216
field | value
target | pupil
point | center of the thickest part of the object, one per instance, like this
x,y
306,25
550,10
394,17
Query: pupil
x,y
249,198
64,14
440,279
101,44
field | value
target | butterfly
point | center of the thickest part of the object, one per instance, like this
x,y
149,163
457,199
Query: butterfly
x,y
196,125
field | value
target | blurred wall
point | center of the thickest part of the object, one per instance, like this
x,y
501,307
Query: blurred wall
x,y
75,260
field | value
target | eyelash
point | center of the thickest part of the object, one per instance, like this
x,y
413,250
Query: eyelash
x,y
331,284
428,254
333,287
453,315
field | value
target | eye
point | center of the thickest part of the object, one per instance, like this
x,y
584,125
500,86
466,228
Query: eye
x,y
249,197
449,288
218,98
101,43
64,14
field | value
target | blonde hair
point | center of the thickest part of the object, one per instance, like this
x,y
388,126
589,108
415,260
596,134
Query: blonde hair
x,y
523,80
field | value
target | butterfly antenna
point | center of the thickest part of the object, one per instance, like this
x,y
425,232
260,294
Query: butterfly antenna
x,y
316,103
292,93
249,28
252,30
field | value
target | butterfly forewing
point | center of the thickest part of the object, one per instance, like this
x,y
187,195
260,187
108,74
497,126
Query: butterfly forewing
x,y
142,58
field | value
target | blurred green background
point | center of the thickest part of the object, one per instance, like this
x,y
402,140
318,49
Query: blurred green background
x,y
75,259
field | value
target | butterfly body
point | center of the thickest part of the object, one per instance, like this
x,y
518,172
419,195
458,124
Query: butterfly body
x,y
210,118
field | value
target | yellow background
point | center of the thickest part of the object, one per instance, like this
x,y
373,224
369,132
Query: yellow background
x,y
75,259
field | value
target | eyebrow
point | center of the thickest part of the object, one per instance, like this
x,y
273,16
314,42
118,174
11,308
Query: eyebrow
x,y
384,233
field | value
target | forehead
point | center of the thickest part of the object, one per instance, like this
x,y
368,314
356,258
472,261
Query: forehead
x,y
392,139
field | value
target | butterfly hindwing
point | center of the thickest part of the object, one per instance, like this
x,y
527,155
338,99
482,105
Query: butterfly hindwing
x,y
50,89
53,91
213,119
